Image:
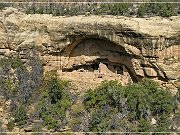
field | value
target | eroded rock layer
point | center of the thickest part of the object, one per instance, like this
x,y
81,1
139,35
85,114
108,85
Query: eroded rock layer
x,y
95,48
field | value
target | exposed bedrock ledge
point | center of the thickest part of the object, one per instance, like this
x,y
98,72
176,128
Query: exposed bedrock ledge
x,y
142,47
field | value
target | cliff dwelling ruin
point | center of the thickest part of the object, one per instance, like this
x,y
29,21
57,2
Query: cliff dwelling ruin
x,y
94,59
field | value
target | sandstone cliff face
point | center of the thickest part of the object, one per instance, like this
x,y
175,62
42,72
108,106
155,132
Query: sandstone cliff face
x,y
95,48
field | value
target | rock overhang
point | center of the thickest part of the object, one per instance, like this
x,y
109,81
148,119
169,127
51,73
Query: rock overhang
x,y
145,40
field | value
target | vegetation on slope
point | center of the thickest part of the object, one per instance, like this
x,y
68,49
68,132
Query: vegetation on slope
x,y
125,9
129,108
153,8
24,86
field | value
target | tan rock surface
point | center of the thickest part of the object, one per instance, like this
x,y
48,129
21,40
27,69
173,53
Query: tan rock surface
x,y
150,72
79,43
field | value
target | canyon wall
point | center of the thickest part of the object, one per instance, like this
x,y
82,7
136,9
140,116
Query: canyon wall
x,y
95,48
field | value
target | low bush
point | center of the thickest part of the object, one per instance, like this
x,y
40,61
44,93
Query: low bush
x,y
10,125
20,116
142,10
3,5
37,128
